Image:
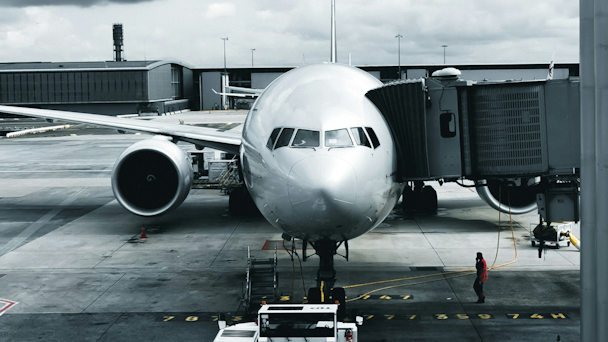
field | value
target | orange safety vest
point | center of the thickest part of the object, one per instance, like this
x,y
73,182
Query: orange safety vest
x,y
484,272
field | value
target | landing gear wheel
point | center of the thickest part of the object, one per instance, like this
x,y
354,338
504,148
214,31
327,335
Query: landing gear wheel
x,y
240,203
338,294
314,295
533,243
235,200
557,245
428,200
408,200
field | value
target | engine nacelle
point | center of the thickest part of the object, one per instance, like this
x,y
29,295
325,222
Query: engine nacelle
x,y
500,196
152,177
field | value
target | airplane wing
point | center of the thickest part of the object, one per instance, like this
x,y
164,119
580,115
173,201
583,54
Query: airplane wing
x,y
246,90
236,94
228,141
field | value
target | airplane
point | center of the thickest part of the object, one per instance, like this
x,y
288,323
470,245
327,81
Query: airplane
x,y
317,159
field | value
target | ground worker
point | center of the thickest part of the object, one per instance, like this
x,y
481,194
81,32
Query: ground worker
x,y
482,276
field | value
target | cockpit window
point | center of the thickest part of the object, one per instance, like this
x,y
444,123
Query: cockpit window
x,y
360,137
338,137
273,137
373,137
306,138
284,138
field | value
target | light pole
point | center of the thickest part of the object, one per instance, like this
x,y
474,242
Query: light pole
x,y
224,77
224,39
444,46
399,53
252,56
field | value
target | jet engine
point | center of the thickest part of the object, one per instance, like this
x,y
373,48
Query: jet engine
x,y
507,196
152,177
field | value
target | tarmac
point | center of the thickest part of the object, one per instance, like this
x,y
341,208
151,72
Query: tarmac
x,y
72,259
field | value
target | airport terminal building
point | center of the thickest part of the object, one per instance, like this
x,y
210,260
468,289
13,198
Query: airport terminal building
x,y
165,86
98,87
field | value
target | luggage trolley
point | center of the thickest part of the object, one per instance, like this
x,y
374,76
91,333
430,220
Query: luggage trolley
x,y
552,235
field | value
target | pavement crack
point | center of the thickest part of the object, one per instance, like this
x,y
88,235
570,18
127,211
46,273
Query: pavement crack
x,y
104,336
104,292
226,242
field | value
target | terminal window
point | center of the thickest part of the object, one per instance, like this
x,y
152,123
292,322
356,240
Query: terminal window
x,y
176,78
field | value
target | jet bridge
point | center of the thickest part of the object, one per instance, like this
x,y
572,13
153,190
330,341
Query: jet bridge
x,y
520,134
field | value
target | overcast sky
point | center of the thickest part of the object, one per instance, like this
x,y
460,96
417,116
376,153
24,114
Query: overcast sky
x,y
284,32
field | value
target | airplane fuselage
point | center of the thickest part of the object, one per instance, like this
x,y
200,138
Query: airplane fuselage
x,y
318,158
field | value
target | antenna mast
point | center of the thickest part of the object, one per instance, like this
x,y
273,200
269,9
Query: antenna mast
x,y
334,54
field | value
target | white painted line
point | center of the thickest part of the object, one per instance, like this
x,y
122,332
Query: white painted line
x,y
6,304
36,130
55,171
33,228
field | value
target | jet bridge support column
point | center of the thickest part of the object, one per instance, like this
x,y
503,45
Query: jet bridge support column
x,y
594,168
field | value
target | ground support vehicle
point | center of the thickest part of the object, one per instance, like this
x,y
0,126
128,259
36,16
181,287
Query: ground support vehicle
x,y
292,322
552,235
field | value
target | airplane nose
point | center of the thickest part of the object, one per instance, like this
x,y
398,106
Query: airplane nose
x,y
322,188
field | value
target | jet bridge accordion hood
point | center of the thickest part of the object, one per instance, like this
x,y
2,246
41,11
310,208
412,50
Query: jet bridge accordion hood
x,y
403,104
447,128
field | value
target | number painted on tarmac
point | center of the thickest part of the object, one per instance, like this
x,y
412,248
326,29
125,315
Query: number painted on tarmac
x,y
462,316
388,317
484,316
441,316
168,318
513,316
537,316
559,315
191,319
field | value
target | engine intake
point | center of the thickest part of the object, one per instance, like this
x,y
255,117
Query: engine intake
x,y
152,177
500,196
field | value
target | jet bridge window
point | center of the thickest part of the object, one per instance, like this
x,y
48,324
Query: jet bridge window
x,y
273,137
360,137
284,138
306,138
373,137
338,138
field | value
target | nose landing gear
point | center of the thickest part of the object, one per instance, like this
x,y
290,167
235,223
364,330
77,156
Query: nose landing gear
x,y
325,292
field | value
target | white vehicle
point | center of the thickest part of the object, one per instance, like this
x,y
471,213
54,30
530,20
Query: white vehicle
x,y
292,322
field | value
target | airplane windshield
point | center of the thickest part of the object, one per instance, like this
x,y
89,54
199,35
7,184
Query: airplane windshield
x,y
306,138
360,137
273,138
284,138
373,137
338,138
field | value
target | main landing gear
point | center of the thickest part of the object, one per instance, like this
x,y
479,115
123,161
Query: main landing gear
x,y
325,292
420,198
240,202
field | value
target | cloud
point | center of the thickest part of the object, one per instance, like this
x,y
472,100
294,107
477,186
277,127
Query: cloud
x,y
285,32
218,10
79,3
